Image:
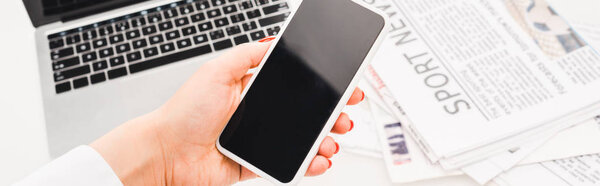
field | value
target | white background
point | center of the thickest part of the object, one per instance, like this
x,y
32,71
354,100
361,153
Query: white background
x,y
23,145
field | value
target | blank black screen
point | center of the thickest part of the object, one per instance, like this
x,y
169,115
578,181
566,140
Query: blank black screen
x,y
300,84
47,11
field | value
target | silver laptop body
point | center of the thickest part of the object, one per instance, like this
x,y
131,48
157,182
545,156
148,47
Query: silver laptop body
x,y
85,111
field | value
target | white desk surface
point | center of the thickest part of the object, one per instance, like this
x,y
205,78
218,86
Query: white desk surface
x,y
23,146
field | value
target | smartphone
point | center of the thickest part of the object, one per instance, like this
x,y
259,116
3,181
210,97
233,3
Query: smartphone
x,y
299,89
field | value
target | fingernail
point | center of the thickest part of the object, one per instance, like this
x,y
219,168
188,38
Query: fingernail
x,y
266,39
363,96
337,148
351,125
329,163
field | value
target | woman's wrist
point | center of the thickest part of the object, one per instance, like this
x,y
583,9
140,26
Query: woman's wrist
x,y
135,152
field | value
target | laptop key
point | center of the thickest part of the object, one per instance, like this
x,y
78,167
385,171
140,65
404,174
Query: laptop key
x,y
165,25
261,2
89,57
167,59
213,13
73,39
198,17
237,18
123,48
81,82
116,61
169,13
66,63
253,14
241,39
153,18
181,21
132,34
188,30
150,52
275,8
257,35
56,43
62,53
273,31
121,26
116,38
99,43
184,43
67,74
223,44
97,78
272,20
200,39
186,9
249,26
83,47
229,9
100,65
116,73
167,47
149,30
172,35
107,52
137,22
155,39
246,5
218,2
217,34
202,5
134,56
205,26
139,43
63,87
106,30
233,30
89,34
221,22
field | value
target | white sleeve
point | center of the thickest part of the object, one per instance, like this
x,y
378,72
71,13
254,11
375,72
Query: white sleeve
x,y
80,166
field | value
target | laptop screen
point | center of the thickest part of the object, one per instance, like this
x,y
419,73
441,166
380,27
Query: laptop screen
x,y
42,12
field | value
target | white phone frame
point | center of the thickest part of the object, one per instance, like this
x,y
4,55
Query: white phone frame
x,y
332,119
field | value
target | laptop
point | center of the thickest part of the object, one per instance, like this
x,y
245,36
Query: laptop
x,y
104,62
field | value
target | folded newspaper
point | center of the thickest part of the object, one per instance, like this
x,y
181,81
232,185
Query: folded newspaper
x,y
406,163
480,85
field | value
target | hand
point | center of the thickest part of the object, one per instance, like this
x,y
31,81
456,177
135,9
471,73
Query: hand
x,y
175,144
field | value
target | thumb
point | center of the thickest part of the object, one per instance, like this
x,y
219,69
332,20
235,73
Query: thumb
x,y
241,58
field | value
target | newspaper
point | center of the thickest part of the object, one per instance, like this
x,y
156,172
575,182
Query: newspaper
x,y
403,158
484,171
363,139
489,66
510,158
586,135
581,170
589,31
552,147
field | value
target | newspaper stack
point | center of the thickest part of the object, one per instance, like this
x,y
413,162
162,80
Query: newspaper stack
x,y
480,87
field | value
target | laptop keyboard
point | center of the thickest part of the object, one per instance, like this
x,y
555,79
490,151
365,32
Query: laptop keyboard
x,y
151,38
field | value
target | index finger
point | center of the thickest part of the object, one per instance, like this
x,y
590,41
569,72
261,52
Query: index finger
x,y
241,58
